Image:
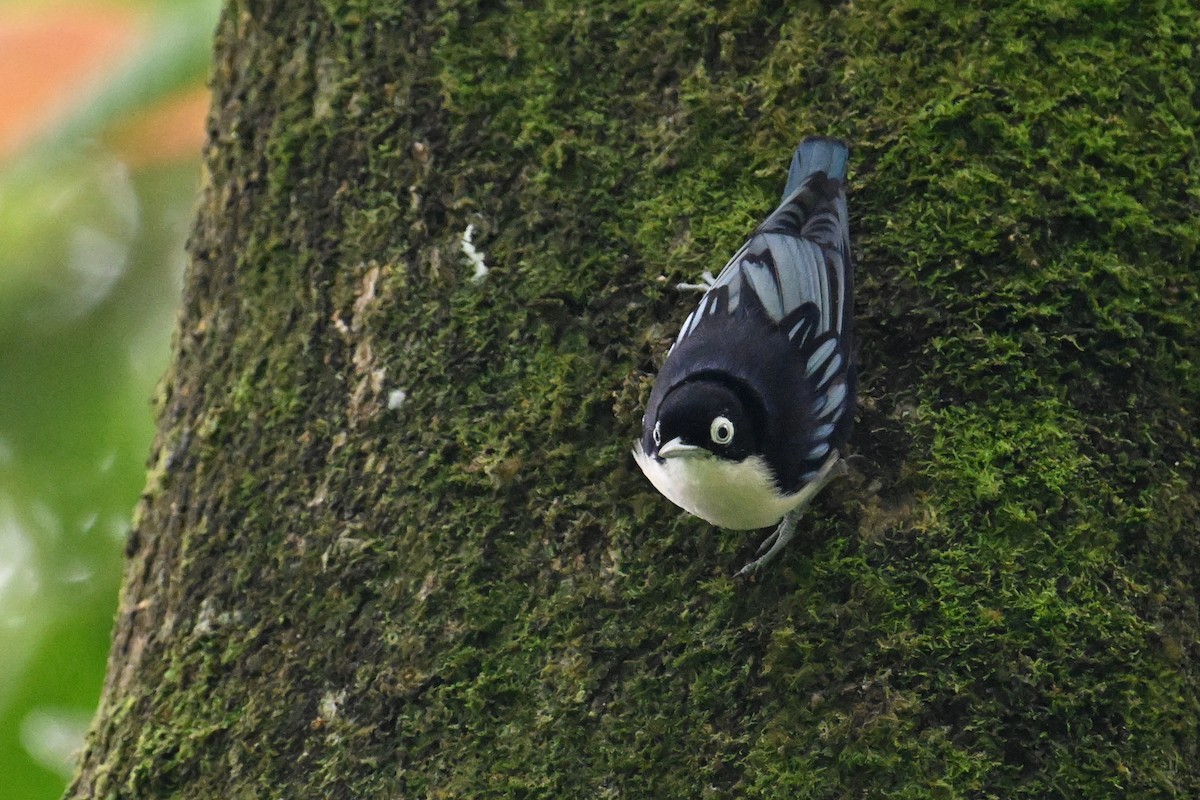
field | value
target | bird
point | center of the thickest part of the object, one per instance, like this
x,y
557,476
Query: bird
x,y
751,410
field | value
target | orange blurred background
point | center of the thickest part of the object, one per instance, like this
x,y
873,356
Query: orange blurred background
x,y
51,56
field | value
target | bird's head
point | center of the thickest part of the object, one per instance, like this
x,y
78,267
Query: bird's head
x,y
701,419
703,450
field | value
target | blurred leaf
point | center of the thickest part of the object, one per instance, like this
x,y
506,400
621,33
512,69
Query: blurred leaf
x,y
49,57
94,210
170,53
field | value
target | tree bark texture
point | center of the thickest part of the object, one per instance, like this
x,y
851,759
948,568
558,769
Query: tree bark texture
x,y
393,543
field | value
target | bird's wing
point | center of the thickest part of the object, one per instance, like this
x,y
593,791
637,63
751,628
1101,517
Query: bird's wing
x,y
797,264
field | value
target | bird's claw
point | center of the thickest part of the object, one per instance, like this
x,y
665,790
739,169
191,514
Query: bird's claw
x,y
706,282
770,540
835,467
772,544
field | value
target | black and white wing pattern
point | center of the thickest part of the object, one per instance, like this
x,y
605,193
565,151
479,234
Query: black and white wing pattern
x,y
799,255
796,267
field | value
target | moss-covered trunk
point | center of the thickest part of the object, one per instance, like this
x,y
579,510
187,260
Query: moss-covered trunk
x,y
393,543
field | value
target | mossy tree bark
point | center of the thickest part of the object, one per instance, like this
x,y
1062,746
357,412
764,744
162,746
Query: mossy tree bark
x,y
393,544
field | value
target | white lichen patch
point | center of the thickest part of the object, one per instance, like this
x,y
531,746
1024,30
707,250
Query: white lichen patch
x,y
474,257
206,620
331,704
329,713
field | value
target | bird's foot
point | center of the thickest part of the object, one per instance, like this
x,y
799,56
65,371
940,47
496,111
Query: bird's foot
x,y
706,282
834,467
772,544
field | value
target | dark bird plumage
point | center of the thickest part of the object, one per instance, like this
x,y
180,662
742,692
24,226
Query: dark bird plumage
x,y
768,351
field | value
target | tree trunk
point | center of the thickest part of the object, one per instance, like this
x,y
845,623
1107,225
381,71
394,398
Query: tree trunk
x,y
393,544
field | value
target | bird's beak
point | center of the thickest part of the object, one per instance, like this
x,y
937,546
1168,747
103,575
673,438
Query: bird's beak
x,y
677,449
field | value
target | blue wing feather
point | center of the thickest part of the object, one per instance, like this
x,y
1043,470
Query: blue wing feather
x,y
817,154
801,253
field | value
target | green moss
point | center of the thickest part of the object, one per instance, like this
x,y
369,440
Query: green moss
x,y
476,595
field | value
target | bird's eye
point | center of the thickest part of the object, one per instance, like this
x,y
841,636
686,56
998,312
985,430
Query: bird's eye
x,y
721,430
657,434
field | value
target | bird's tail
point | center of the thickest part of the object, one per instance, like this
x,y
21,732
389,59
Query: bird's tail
x,y
817,154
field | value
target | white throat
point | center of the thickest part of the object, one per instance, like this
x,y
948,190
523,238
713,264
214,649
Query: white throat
x,y
740,495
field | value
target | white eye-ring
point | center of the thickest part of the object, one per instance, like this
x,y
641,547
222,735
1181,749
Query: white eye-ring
x,y
721,430
657,434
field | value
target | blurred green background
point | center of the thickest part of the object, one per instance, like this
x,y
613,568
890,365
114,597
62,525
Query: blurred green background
x,y
101,124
